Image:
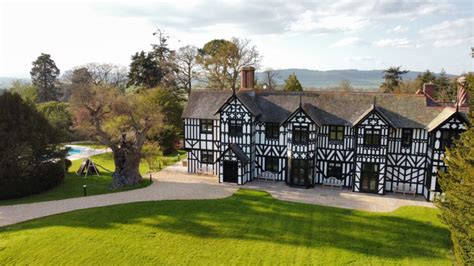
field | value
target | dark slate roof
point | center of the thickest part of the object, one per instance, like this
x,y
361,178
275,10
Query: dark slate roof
x,y
203,104
324,107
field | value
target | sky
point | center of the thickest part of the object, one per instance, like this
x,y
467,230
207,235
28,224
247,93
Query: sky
x,y
321,35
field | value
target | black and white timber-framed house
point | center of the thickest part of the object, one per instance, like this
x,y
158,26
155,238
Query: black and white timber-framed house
x,y
367,141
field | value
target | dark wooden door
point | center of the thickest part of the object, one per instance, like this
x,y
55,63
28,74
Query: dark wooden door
x,y
231,171
299,173
369,177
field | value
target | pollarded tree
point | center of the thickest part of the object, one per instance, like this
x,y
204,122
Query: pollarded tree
x,y
43,75
393,79
292,83
120,121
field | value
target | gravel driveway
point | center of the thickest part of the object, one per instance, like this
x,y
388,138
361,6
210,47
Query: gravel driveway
x,y
170,183
174,183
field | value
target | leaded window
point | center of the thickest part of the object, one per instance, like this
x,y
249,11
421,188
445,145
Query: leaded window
x,y
336,133
235,128
206,126
372,137
272,130
271,164
207,157
406,137
300,134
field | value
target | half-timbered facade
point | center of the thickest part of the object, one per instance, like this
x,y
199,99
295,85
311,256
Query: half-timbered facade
x,y
368,142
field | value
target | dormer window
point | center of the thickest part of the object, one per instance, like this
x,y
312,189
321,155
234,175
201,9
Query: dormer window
x,y
372,137
206,126
272,130
336,133
235,128
300,135
406,137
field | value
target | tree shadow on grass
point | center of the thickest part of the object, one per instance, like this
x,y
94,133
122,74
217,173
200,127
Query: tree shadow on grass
x,y
256,216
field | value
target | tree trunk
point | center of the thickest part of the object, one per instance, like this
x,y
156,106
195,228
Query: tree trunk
x,y
127,162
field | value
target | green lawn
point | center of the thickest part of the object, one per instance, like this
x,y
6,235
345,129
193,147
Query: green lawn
x,y
73,185
248,228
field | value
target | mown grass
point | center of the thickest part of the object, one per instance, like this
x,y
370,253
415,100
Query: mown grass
x,y
249,228
72,186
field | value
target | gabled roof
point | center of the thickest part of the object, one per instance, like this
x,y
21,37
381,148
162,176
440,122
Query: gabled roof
x,y
308,111
375,109
443,116
246,100
237,151
324,107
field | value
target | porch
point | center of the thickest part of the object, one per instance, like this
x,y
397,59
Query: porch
x,y
336,197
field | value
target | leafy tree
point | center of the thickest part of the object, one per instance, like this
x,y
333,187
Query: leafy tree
x,y
120,121
31,164
151,153
222,60
393,78
144,71
27,91
292,83
59,116
43,75
75,78
457,209
171,109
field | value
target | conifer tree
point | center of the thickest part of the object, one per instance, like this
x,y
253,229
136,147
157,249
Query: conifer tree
x,y
457,205
292,83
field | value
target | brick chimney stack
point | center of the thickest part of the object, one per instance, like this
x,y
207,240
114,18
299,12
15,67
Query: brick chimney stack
x,y
247,78
429,89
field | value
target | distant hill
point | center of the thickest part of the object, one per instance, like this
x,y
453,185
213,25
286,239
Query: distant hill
x,y
5,82
368,79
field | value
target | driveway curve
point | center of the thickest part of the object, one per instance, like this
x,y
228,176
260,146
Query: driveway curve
x,y
171,183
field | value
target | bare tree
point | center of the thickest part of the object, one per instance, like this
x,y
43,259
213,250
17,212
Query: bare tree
x,y
269,78
108,74
247,55
345,85
186,61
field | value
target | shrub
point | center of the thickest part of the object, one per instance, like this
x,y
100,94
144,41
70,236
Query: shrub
x,y
33,159
39,178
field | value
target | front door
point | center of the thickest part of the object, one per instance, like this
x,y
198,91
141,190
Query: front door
x,y
231,171
299,173
369,177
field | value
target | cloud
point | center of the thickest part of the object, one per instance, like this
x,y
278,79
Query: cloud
x,y
262,17
396,43
399,28
310,21
348,42
450,32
